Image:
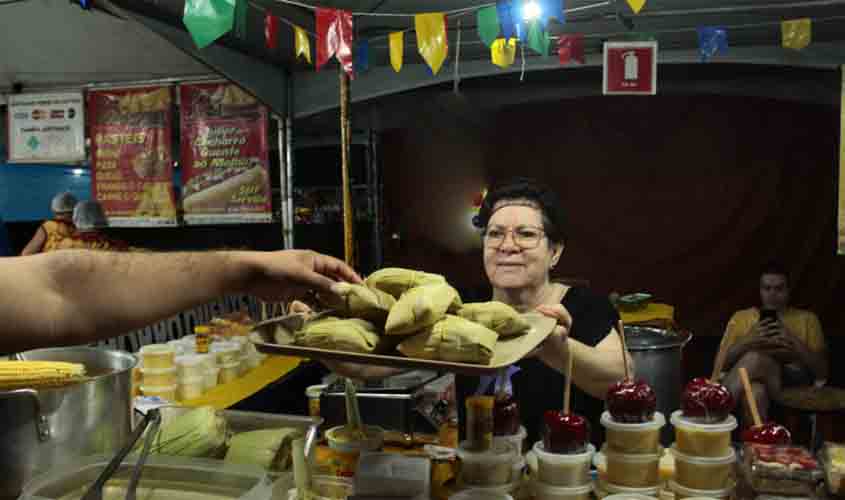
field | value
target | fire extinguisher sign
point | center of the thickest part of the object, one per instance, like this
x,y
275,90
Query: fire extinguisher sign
x,y
630,68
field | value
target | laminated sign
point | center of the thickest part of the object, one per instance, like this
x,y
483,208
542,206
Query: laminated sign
x,y
630,68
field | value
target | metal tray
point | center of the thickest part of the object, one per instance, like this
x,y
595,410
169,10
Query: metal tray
x,y
508,350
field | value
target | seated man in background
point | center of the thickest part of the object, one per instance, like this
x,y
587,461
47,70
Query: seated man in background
x,y
777,344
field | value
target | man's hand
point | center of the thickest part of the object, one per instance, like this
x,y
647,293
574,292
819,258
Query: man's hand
x,y
277,276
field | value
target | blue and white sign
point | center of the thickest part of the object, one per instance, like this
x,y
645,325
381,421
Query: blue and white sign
x,y
47,128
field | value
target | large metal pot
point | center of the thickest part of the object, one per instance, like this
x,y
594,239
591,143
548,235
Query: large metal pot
x,y
657,357
40,429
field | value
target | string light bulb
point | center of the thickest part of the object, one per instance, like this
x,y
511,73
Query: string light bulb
x,y
531,10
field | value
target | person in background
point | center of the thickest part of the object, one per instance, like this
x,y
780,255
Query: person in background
x,y
78,297
524,236
55,234
89,219
786,347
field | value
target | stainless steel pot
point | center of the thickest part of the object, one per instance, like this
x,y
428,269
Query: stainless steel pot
x,y
657,357
40,429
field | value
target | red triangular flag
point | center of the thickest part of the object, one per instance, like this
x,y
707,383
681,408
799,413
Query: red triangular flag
x,y
271,31
570,48
334,37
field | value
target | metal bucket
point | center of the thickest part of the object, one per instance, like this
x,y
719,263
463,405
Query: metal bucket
x,y
657,357
51,427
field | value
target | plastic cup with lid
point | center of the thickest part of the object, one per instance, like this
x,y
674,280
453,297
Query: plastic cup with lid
x,y
633,470
158,356
704,473
633,438
702,440
491,467
561,469
682,492
543,491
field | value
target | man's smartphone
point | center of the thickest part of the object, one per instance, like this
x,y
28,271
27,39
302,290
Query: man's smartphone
x,y
769,314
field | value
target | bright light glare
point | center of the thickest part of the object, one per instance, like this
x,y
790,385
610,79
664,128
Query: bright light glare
x,y
531,10
77,172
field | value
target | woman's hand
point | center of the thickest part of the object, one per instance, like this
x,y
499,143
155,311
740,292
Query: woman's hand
x,y
554,350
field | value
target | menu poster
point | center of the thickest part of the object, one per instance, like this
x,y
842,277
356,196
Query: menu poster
x,y
224,155
46,128
131,160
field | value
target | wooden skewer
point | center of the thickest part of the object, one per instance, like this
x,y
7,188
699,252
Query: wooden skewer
x,y
749,397
567,392
621,328
719,362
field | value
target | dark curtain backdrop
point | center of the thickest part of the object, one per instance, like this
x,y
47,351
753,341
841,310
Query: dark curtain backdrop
x,y
684,197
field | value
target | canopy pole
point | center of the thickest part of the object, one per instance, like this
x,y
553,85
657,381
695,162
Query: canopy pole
x,y
348,216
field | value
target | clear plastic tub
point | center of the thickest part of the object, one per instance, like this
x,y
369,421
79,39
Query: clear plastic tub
x,y
332,487
615,489
226,352
702,440
156,377
481,494
544,491
193,365
633,438
191,388
487,468
229,372
517,440
211,377
704,473
392,475
682,492
167,392
628,496
557,469
636,471
158,356
339,439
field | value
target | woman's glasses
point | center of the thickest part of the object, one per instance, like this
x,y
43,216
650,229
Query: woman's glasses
x,y
526,237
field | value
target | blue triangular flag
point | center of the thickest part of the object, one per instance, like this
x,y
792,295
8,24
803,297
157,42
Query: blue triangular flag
x,y
362,56
712,40
503,8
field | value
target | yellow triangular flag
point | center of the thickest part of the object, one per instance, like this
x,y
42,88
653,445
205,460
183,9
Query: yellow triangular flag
x,y
503,53
797,33
301,43
431,39
636,5
397,49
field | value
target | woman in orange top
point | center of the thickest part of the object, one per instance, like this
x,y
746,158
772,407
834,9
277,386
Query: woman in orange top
x,y
88,217
56,234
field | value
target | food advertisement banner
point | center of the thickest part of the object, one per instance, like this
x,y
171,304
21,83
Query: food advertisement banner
x,y
224,155
46,128
131,160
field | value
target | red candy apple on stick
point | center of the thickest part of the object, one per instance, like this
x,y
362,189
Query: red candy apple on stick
x,y
630,401
566,432
768,433
705,399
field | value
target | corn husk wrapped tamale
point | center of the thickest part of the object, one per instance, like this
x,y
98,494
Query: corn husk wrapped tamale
x,y
267,448
360,301
452,339
497,316
197,433
352,335
396,280
421,307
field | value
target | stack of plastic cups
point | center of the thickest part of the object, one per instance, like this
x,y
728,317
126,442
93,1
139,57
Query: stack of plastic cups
x,y
228,356
632,454
192,370
158,371
563,476
705,461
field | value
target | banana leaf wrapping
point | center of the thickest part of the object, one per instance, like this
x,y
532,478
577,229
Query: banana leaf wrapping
x,y
497,316
396,280
452,339
267,448
360,301
421,307
351,335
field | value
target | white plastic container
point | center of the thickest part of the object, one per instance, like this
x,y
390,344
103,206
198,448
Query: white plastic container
x,y
615,489
192,365
480,494
392,475
210,378
558,469
191,388
226,352
702,440
168,393
157,377
492,467
544,491
633,438
158,356
229,372
628,496
635,471
178,347
704,473
682,492
517,440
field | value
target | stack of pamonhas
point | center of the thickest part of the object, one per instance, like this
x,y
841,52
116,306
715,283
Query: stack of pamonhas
x,y
419,314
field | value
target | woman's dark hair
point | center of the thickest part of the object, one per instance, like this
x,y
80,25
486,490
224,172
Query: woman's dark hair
x,y
554,218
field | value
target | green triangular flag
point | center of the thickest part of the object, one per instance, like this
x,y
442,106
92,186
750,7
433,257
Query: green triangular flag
x,y
241,17
208,20
488,24
538,39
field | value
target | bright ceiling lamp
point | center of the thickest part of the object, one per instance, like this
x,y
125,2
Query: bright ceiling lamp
x,y
531,10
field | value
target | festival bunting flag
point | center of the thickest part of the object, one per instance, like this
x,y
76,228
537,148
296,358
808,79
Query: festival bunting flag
x,y
432,43
208,20
571,48
362,57
241,18
487,20
503,52
796,34
334,37
271,31
538,38
302,45
505,16
636,5
397,50
712,40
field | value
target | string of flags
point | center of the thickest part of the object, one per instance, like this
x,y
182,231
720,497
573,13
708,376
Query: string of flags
x,y
502,27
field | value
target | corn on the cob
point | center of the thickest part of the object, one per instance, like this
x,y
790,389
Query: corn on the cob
x,y
196,433
37,374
